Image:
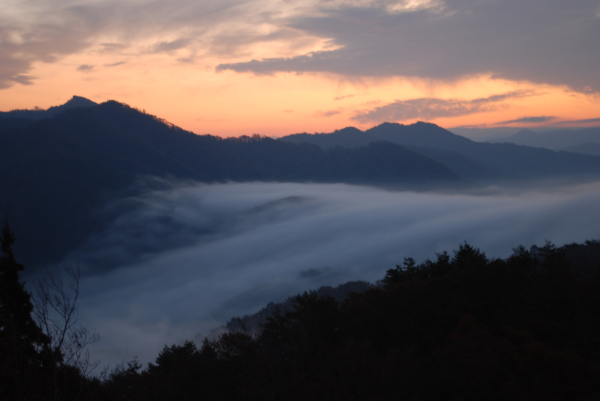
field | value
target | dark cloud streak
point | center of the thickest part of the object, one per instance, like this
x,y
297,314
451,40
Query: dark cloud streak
x,y
329,113
170,46
431,108
529,120
85,68
115,64
587,121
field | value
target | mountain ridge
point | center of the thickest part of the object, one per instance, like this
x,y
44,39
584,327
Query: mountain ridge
x,y
556,140
23,118
486,163
37,113
61,169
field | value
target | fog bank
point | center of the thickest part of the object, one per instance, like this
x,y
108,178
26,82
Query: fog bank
x,y
182,261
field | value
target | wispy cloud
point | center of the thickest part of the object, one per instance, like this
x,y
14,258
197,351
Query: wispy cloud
x,y
586,121
529,120
342,97
85,68
47,30
171,46
431,108
115,64
328,113
21,79
112,47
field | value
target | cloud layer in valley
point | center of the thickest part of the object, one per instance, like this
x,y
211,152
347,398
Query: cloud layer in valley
x,y
182,261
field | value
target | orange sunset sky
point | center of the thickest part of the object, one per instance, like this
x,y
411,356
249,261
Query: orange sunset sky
x,y
275,67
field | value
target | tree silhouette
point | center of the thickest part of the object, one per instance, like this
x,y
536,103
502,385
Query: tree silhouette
x,y
460,328
56,312
22,342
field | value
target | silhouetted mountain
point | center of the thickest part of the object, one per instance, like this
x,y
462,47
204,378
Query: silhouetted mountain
x,y
592,149
524,137
23,118
483,162
465,166
252,324
554,140
349,137
12,122
380,163
38,114
420,134
58,170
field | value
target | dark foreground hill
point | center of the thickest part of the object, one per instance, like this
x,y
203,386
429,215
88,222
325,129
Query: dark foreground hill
x,y
461,327
583,258
592,149
57,171
481,162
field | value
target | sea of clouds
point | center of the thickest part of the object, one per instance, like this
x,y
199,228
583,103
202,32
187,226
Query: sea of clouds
x,y
179,262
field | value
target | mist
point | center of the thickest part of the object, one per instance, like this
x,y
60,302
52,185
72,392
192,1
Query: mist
x,y
178,263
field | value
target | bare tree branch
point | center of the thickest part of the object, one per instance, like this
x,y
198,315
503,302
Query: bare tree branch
x,y
56,312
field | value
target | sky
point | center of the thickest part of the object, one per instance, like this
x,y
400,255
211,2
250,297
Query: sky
x,y
194,256
276,67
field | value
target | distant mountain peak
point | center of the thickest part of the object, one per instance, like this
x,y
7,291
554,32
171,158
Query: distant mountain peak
x,y
418,134
80,99
426,131
386,124
28,116
526,132
418,124
75,101
347,130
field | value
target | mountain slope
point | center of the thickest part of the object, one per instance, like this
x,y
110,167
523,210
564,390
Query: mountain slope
x,y
348,137
38,114
482,162
23,118
554,140
592,149
420,134
59,170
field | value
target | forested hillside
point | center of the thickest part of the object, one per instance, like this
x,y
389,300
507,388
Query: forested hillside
x,y
459,327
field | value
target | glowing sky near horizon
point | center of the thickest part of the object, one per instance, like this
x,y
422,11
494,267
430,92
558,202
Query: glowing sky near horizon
x,y
274,67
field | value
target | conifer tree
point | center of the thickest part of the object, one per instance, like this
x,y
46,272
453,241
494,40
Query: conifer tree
x,y
21,339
